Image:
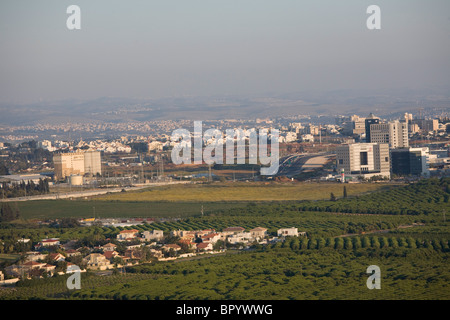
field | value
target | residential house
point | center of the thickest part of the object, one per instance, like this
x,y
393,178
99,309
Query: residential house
x,y
34,256
97,261
211,238
173,246
48,268
203,246
28,266
242,237
153,235
156,253
202,233
109,247
127,235
71,268
47,243
14,270
232,230
110,255
72,252
287,232
258,233
56,257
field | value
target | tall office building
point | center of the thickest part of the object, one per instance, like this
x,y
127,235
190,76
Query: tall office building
x,y
364,159
371,119
410,161
394,133
76,163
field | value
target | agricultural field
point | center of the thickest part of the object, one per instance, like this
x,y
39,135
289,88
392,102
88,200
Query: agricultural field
x,y
290,271
54,209
251,191
403,230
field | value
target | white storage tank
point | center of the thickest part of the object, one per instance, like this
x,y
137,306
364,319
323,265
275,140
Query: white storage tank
x,y
76,180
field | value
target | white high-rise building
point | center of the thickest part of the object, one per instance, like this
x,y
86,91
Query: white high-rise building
x,y
364,159
394,133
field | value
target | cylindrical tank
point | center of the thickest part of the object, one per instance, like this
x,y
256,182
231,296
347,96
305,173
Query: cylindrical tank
x,y
76,180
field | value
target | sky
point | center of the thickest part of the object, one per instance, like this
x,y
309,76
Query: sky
x,y
170,48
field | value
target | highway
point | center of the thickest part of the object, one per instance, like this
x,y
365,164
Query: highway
x,y
89,193
294,164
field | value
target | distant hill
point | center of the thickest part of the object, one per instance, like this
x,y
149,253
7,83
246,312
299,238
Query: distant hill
x,y
112,109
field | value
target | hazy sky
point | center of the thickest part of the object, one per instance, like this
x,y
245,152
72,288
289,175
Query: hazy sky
x,y
160,48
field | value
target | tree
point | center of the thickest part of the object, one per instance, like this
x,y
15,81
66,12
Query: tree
x,y
7,213
345,192
332,197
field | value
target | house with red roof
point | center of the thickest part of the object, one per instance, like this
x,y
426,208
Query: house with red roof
x,y
56,257
203,246
109,247
47,243
125,235
110,255
211,238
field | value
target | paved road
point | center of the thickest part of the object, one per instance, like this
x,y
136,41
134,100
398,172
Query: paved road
x,y
89,193
294,164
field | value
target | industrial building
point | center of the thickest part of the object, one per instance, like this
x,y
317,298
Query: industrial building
x,y
77,163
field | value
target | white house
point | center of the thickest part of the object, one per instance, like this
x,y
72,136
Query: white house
x,y
127,234
203,246
258,233
287,232
211,238
242,237
153,235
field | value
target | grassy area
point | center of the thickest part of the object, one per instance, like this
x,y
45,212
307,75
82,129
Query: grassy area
x,y
252,191
52,209
8,257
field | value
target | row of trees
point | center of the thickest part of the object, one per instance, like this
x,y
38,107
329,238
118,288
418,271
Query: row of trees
x,y
363,242
25,188
427,196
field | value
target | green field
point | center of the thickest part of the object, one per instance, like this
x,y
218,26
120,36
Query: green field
x,y
52,209
251,191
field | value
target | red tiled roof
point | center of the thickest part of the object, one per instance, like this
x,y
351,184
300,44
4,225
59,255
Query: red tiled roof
x,y
32,263
129,231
